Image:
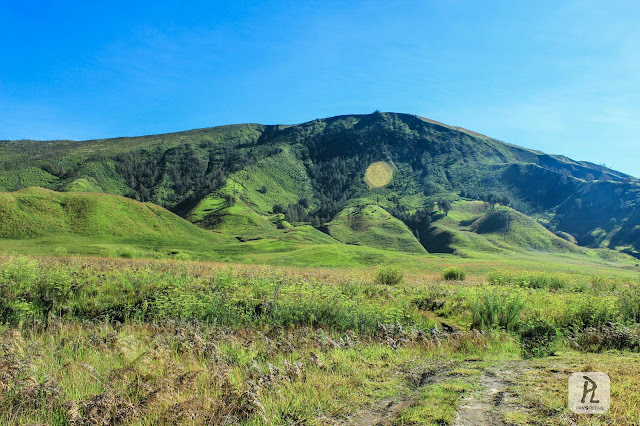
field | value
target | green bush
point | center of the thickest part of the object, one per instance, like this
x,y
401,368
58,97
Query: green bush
x,y
608,338
629,302
183,256
496,309
29,292
538,338
529,279
454,274
389,275
126,253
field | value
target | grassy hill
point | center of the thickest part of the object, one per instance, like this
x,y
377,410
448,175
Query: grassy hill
x,y
94,223
238,180
373,226
473,226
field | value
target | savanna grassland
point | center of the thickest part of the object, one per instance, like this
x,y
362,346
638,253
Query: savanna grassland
x,y
359,269
123,341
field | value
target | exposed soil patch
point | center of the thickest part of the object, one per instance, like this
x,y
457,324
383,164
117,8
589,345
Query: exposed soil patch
x,y
387,410
487,405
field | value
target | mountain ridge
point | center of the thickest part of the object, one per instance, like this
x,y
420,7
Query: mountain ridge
x,y
431,161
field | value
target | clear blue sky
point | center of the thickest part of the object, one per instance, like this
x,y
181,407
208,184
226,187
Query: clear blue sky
x,y
559,76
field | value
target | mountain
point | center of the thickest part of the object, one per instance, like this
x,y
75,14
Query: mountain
x,y
306,183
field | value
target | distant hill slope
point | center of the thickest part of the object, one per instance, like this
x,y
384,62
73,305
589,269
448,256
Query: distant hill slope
x,y
472,226
103,220
373,226
312,171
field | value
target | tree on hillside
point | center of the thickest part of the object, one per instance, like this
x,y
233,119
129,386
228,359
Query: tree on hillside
x,y
229,199
493,199
444,206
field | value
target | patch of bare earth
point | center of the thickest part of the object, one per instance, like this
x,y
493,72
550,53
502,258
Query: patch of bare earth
x,y
487,405
386,411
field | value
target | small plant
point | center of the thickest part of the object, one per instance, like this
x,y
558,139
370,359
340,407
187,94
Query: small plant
x,y
495,309
60,252
389,275
538,338
454,274
183,256
126,253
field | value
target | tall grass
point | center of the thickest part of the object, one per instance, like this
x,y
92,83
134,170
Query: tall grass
x,y
496,309
389,275
454,274
528,279
32,293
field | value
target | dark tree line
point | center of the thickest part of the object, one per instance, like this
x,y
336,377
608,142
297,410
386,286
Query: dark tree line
x,y
189,172
419,222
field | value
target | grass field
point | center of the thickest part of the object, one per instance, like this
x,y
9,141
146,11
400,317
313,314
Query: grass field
x,y
111,340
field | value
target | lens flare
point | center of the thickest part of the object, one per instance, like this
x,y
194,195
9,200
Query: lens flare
x,y
378,174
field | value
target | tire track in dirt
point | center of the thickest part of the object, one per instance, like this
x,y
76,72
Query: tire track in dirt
x,y
483,407
384,412
486,406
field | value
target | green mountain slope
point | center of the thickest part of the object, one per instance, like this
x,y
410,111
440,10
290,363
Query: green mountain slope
x,y
35,216
372,226
473,226
238,179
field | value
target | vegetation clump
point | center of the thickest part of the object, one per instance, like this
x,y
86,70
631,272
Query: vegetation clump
x,y
389,275
496,309
529,279
454,274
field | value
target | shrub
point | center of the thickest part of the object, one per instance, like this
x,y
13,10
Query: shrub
x,y
629,302
538,338
454,274
528,279
590,311
607,338
389,275
60,252
126,252
183,256
494,309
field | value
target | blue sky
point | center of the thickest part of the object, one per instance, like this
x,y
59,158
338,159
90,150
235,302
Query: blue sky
x,y
561,77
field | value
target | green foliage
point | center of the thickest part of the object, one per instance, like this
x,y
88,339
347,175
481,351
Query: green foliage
x,y
496,308
629,301
454,274
444,206
389,275
26,291
529,279
610,337
32,292
539,338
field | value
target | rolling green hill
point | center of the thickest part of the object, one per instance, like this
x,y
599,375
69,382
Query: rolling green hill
x,y
372,226
286,183
96,223
473,226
